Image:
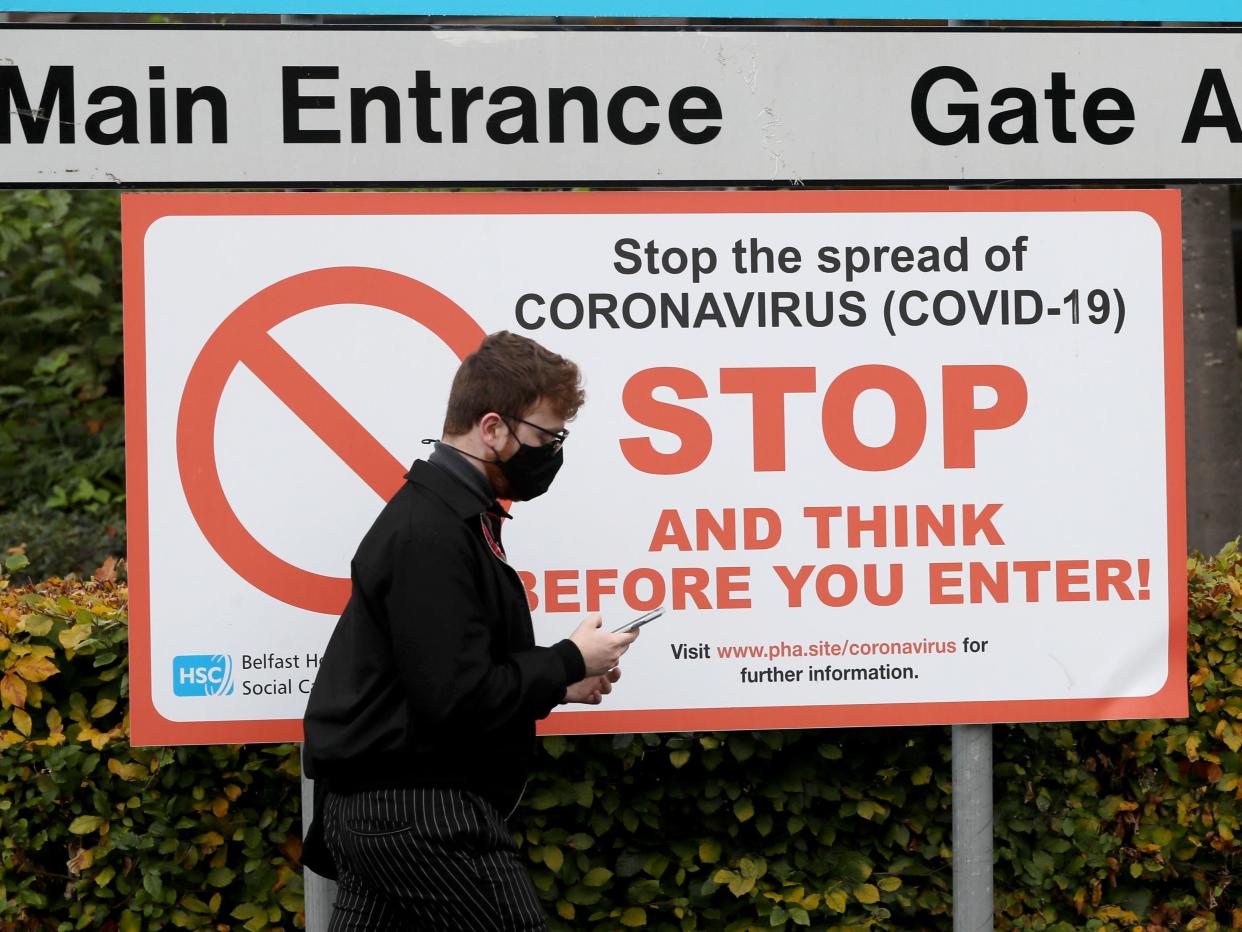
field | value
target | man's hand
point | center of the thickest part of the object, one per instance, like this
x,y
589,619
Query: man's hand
x,y
593,689
601,650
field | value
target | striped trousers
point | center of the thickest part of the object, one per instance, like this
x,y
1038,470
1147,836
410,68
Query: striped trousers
x,y
440,860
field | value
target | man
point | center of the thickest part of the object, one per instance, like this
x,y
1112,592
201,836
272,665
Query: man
x,y
420,728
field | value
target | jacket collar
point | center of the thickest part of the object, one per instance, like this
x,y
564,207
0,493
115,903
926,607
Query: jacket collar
x,y
464,501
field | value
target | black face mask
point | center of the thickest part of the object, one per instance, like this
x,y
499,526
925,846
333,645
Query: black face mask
x,y
531,469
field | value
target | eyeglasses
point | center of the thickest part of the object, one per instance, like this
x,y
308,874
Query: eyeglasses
x,y
558,436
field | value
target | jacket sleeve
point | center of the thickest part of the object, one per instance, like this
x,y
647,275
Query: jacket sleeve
x,y
442,641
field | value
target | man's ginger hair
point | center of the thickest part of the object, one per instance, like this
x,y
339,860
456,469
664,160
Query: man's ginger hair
x,y
509,374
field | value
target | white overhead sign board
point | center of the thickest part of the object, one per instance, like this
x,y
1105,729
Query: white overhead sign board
x,y
150,106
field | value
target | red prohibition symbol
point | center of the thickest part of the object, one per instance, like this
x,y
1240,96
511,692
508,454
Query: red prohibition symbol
x,y
244,339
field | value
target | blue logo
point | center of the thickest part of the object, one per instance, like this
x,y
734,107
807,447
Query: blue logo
x,y
203,675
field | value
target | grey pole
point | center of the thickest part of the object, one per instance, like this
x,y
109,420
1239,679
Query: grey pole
x,y
973,903
320,893
972,828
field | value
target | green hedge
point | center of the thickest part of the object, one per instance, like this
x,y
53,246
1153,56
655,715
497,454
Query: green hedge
x,y
1120,825
62,434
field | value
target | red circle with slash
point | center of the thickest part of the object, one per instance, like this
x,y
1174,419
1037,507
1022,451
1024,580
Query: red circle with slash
x,y
244,339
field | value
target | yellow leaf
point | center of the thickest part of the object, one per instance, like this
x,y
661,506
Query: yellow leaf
x,y
553,857
836,901
35,669
102,708
866,893
12,690
565,909
889,884
128,771
921,776
1192,747
70,638
54,722
634,917
709,851
679,758
220,807
21,719
81,861
740,886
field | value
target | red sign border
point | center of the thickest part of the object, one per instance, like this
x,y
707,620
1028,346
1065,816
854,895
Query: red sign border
x,y
140,211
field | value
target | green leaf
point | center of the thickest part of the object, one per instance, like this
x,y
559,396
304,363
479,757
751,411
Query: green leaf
x,y
867,893
555,745
635,917
597,877
194,904
15,562
553,857
709,851
630,863
679,758
38,625
220,877
85,824
130,922
744,809
88,283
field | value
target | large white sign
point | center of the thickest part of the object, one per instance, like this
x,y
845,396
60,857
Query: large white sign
x,y
884,457
388,106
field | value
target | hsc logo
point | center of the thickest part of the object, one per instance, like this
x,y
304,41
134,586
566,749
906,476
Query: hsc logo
x,y
203,675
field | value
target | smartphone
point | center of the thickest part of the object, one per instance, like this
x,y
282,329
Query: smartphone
x,y
640,621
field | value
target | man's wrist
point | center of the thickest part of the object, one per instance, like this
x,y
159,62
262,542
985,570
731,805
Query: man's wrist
x,y
572,660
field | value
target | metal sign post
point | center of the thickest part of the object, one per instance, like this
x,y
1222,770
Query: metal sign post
x,y
972,828
319,893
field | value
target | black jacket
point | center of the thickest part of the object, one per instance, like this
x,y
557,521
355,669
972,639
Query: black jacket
x,y
432,676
